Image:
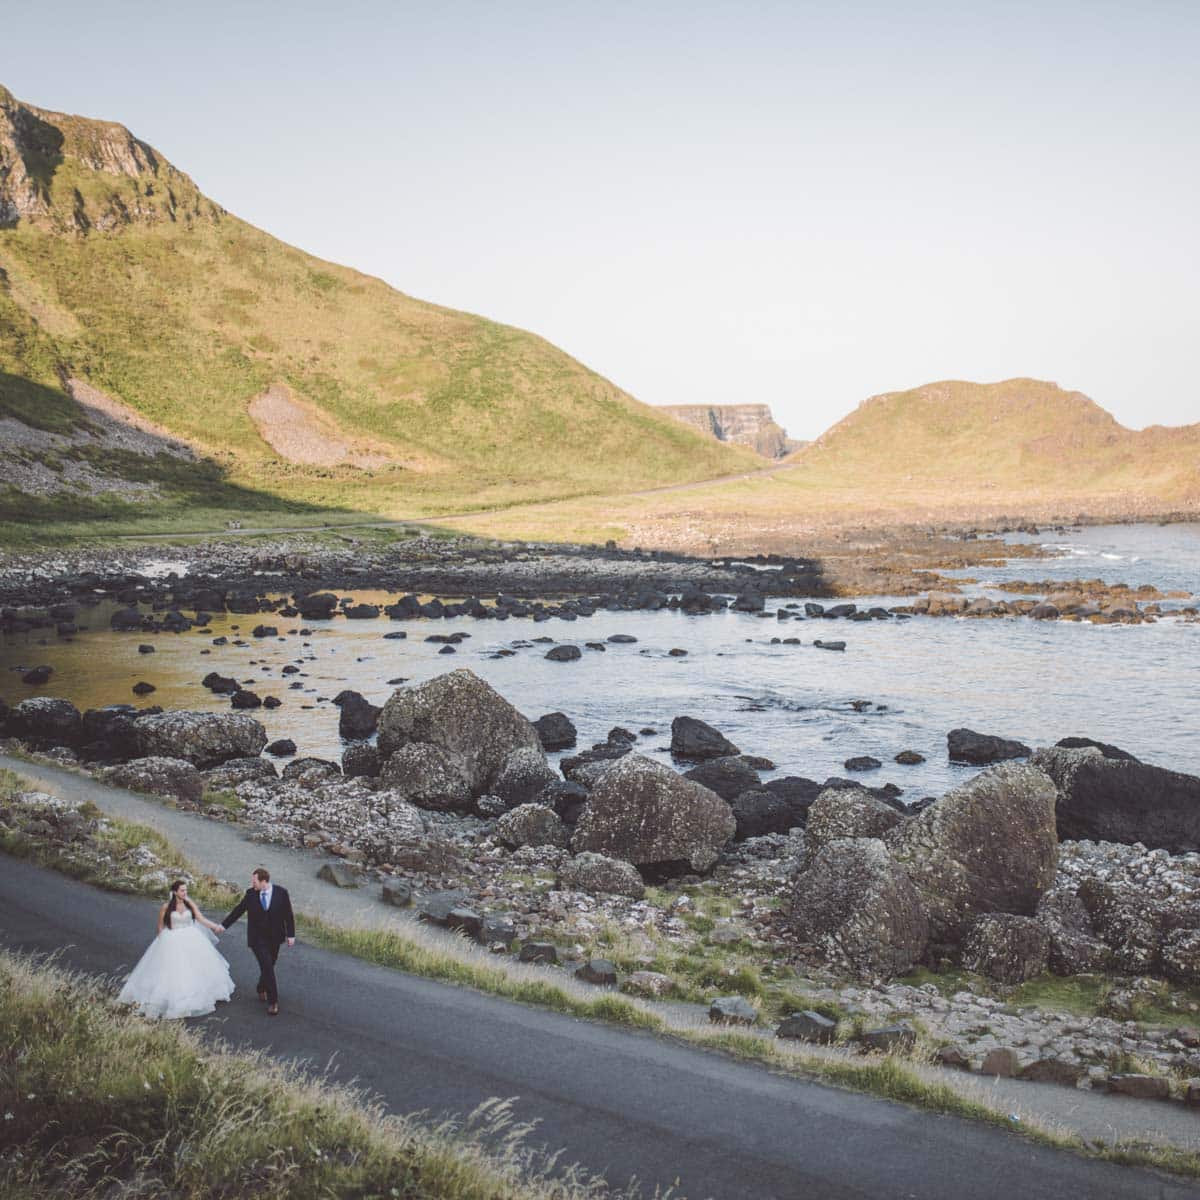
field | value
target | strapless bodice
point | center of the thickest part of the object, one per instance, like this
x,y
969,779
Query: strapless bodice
x,y
181,920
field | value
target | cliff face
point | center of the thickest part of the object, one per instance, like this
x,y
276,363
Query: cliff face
x,y
748,425
75,174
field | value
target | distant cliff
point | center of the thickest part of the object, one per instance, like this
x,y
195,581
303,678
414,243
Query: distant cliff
x,y
741,424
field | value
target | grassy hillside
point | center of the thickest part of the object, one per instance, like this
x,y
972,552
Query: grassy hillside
x,y
1019,435
116,271
947,452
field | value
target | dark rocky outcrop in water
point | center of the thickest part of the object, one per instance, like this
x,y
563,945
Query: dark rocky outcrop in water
x,y
358,717
1103,798
555,731
697,740
980,749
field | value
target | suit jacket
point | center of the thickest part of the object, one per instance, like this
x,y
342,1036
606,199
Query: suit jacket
x,y
272,925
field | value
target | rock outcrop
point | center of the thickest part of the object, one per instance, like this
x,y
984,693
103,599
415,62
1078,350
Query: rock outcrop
x,y
204,739
1107,799
859,910
472,726
648,815
987,846
750,425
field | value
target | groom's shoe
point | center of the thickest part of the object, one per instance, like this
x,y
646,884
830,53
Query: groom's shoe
x,y
273,1010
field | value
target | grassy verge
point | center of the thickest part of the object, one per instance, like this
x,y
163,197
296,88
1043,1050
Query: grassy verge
x,y
900,1076
95,1101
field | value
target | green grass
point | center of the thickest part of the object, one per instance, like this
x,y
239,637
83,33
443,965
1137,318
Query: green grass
x,y
188,320
98,1102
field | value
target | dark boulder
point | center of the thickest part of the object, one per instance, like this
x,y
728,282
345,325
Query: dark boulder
x,y
564,653
555,731
244,698
223,685
360,760
697,740
1081,743
358,717
729,777
45,722
1122,800
760,812
281,747
979,749
36,676
987,846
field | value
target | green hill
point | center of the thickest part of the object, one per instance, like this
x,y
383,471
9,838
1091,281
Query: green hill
x,y
127,297
1021,436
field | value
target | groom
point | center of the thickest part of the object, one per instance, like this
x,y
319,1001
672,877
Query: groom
x,y
269,922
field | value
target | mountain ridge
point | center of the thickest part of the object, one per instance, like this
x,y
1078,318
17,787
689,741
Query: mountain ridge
x,y
115,270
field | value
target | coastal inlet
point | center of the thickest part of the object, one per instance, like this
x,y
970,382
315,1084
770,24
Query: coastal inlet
x,y
899,685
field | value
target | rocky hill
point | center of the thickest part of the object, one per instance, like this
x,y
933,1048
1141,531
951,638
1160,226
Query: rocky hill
x,y
1018,436
154,347
749,425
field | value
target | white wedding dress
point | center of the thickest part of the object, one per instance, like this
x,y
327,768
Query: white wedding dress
x,y
182,974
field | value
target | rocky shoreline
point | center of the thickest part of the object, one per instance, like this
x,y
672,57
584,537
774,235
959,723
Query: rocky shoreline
x,y
704,884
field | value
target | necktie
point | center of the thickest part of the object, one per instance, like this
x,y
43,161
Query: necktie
x,y
263,897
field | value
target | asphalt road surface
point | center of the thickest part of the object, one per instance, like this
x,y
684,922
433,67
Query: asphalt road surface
x,y
622,1104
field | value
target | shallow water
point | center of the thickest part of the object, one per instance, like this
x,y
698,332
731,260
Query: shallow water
x,y
1035,681
1165,556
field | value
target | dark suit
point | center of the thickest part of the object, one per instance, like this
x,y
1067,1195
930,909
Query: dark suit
x,y
266,931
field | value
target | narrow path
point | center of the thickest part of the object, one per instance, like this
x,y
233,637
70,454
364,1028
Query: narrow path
x,y
229,852
623,1104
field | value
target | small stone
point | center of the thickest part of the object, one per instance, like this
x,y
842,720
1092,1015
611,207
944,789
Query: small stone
x,y
1002,1063
1140,1087
282,747
396,892
466,919
538,952
649,983
909,758
807,1026
889,1038
598,971
338,874
732,1010
498,929
1053,1070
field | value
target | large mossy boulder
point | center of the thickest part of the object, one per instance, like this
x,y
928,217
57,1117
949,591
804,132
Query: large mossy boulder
x,y
987,846
650,816
846,813
473,726
859,911
1104,798
173,777
204,739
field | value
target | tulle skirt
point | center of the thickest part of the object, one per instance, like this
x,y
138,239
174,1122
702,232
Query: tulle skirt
x,y
182,974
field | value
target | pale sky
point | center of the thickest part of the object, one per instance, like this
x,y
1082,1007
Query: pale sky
x,y
799,204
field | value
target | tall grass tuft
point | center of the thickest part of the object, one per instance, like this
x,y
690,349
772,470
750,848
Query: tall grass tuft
x,y
96,1102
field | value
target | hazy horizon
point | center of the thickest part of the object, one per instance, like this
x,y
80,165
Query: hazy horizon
x,y
709,204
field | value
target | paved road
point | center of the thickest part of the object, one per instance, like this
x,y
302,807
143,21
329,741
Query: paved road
x,y
625,1104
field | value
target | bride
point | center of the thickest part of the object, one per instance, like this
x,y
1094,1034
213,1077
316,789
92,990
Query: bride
x,y
181,974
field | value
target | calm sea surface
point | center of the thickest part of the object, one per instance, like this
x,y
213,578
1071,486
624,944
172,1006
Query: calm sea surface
x,y
1036,681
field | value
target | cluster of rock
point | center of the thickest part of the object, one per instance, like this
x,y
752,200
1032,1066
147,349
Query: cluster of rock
x,y
973,879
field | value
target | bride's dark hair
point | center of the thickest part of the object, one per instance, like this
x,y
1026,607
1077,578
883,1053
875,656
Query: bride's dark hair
x,y
171,899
